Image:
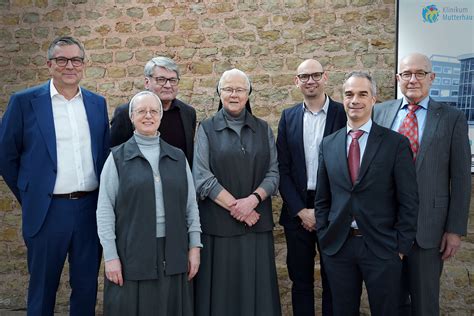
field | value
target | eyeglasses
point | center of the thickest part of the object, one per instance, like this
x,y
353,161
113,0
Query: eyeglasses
x,y
62,61
305,77
420,75
162,81
237,91
143,112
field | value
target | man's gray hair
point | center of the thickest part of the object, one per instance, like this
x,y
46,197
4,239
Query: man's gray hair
x,y
142,94
361,74
64,41
233,71
163,62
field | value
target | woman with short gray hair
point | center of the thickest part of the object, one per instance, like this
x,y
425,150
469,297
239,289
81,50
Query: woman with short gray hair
x,y
148,221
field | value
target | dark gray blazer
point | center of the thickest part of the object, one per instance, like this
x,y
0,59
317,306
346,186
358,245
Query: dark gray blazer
x,y
383,200
442,170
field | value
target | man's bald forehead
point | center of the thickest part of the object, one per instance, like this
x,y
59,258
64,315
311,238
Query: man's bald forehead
x,y
416,58
310,62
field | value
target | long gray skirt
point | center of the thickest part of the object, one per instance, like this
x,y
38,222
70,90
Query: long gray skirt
x,y
237,276
165,296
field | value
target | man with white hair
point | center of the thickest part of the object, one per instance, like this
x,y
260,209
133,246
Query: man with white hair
x,y
439,140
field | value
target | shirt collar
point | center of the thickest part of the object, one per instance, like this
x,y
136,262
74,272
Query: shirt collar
x,y
324,109
366,127
54,92
423,103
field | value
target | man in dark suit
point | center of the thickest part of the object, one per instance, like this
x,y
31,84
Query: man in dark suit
x,y
178,123
366,205
54,139
444,181
300,131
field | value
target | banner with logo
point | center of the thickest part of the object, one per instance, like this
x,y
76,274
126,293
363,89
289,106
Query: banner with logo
x,y
444,31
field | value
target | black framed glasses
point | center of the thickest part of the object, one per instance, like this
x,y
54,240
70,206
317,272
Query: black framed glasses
x,y
315,76
162,81
62,61
420,75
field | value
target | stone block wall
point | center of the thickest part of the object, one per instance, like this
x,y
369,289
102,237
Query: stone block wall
x,y
265,38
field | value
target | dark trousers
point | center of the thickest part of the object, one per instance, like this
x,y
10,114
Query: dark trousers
x,y
69,230
355,263
301,245
420,282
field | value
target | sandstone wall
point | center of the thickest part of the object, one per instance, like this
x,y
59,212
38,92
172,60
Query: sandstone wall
x,y
266,39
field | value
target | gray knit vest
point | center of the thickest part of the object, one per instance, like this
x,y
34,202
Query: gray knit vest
x,y
240,165
135,211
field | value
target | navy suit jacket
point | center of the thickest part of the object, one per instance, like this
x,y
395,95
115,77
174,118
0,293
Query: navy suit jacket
x,y
28,159
383,200
291,158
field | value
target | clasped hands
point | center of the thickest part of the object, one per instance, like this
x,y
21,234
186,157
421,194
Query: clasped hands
x,y
243,210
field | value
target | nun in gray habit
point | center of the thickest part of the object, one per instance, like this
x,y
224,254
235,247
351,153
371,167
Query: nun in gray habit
x,y
235,172
148,221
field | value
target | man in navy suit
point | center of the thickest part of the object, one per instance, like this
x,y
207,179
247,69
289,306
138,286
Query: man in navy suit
x,y
54,139
366,205
300,131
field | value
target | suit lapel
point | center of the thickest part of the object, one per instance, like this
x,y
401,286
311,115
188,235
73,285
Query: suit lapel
x,y
373,143
298,127
329,119
391,113
341,154
431,124
43,110
186,119
92,115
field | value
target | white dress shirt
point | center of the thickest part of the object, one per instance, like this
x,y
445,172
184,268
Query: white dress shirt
x,y
75,168
420,116
362,145
362,140
313,131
